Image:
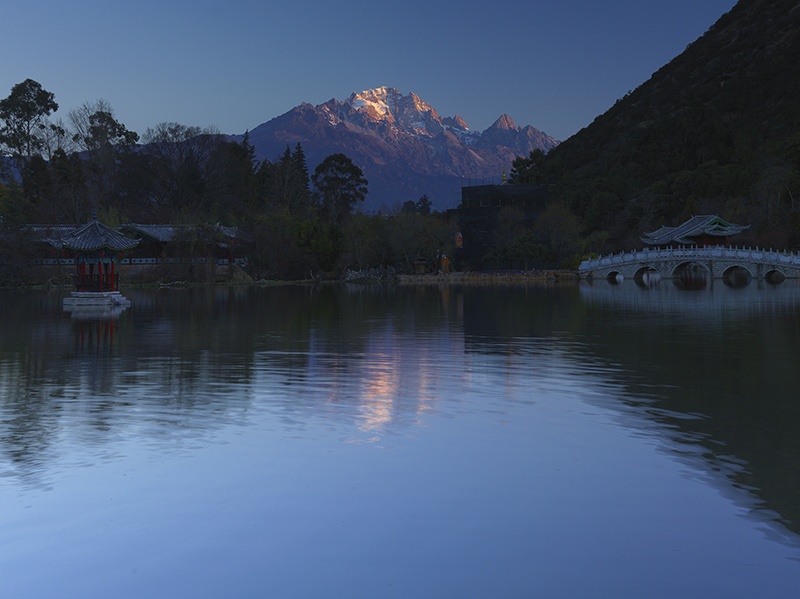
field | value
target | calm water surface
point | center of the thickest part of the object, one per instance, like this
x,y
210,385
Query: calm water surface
x,y
593,441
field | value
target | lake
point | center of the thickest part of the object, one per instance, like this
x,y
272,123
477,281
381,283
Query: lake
x,y
403,441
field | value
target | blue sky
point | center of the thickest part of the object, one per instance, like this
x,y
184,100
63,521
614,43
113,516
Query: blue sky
x,y
234,64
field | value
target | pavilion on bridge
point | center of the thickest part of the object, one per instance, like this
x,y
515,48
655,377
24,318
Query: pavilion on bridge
x,y
698,231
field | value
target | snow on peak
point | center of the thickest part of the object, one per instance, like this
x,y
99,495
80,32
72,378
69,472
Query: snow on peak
x,y
388,104
374,102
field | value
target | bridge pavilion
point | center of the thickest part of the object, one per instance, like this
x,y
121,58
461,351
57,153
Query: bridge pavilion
x,y
701,244
708,230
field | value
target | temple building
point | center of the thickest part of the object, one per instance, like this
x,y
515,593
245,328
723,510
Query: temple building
x,y
226,244
698,230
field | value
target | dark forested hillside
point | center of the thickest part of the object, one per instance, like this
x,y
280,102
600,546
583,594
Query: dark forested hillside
x,y
717,130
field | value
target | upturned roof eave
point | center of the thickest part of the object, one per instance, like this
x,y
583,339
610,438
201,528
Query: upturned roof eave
x,y
710,225
95,237
98,248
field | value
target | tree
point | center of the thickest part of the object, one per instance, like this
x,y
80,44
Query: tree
x,y
301,170
408,207
287,183
424,205
24,114
187,174
69,203
365,241
105,131
412,236
341,185
36,184
510,231
557,231
55,138
246,183
421,206
106,142
523,170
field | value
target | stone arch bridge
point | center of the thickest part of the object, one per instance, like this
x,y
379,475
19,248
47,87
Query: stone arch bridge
x,y
716,262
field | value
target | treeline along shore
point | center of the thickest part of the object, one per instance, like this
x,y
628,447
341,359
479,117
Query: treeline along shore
x,y
295,224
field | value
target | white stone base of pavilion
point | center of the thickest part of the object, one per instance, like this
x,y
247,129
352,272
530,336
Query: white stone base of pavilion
x,y
99,299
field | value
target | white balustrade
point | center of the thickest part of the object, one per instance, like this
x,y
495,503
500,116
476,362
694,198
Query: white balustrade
x,y
732,253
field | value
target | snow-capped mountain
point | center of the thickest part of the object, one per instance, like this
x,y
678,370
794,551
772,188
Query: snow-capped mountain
x,y
404,147
409,113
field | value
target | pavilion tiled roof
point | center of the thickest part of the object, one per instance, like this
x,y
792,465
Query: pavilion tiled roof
x,y
51,234
95,236
709,225
167,233
161,233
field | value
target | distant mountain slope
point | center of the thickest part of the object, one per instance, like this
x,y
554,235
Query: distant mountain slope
x,y
404,147
715,130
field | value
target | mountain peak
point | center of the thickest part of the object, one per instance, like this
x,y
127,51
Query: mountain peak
x,y
456,121
403,146
505,122
388,104
376,102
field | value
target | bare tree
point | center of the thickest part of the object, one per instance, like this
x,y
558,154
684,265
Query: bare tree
x,y
106,143
80,121
186,172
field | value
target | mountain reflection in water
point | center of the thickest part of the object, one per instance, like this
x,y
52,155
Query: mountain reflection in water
x,y
428,383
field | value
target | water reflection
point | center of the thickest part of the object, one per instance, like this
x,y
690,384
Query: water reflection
x,y
191,360
708,376
717,370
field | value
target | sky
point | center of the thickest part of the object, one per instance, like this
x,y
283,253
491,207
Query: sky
x,y
234,64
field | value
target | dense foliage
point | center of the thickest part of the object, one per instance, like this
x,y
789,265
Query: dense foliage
x,y
717,130
57,172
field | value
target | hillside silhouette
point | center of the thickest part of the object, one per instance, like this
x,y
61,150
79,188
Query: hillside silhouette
x,y
716,130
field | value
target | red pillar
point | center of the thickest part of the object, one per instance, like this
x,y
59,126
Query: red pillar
x,y
112,275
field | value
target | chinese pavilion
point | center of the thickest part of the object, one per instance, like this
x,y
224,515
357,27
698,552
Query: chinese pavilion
x,y
698,230
97,249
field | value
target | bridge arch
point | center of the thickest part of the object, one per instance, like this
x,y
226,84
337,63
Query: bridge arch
x,y
644,270
774,276
737,275
646,276
709,262
614,277
690,267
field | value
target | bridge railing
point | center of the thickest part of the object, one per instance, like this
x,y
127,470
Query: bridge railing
x,y
690,252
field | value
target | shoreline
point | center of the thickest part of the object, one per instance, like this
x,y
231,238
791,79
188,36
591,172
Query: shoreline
x,y
489,278
549,277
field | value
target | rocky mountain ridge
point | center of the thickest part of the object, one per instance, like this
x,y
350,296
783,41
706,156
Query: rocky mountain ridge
x,y
405,148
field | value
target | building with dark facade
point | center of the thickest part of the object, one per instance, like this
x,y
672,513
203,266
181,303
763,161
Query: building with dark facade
x,y
479,212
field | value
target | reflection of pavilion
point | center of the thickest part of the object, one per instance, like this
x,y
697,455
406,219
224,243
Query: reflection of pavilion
x,y
90,313
97,250
94,330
